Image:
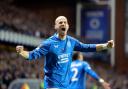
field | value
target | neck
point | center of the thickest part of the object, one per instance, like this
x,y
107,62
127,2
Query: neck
x,y
62,37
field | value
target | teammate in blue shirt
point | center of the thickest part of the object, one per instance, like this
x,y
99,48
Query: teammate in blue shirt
x,y
79,71
57,51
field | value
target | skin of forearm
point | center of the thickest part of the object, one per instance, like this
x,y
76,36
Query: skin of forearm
x,y
100,47
24,54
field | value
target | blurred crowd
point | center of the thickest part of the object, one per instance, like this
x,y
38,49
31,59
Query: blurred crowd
x,y
116,80
14,67
24,21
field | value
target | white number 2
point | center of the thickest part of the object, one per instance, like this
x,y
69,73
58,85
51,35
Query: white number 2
x,y
74,77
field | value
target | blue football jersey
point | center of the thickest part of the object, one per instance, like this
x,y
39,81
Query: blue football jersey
x,y
79,70
58,58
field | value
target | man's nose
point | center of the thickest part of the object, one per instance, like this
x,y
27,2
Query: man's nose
x,y
63,24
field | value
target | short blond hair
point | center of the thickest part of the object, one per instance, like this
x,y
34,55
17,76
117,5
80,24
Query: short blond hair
x,y
60,17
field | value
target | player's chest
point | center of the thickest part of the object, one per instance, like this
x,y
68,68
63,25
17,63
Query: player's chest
x,y
61,47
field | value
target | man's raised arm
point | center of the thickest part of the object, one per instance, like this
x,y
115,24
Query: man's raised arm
x,y
108,45
20,50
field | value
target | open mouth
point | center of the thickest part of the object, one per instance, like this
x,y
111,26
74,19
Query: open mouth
x,y
63,29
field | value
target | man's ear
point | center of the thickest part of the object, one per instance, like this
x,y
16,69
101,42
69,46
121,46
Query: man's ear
x,y
55,27
67,26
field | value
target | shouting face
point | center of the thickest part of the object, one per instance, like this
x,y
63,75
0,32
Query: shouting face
x,y
61,25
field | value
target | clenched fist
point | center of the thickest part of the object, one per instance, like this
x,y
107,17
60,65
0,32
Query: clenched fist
x,y
19,49
110,44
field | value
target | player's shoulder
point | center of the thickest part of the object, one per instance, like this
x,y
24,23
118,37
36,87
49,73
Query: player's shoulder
x,y
49,40
76,63
85,63
46,42
72,38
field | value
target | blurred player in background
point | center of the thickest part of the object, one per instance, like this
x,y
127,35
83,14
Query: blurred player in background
x,y
79,71
58,50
